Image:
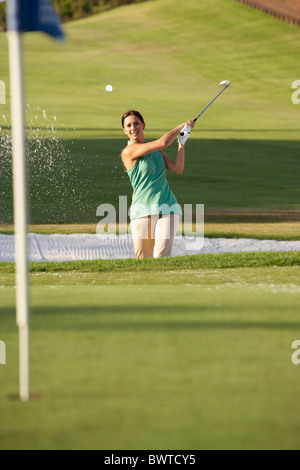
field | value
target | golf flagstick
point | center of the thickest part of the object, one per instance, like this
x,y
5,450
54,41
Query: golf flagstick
x,y
43,18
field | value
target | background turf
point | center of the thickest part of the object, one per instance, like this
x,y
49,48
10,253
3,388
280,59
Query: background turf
x,y
166,62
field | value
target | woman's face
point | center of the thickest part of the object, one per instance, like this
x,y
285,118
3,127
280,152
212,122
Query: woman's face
x,y
134,129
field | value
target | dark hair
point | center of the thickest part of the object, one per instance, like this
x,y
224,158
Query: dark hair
x,y
132,113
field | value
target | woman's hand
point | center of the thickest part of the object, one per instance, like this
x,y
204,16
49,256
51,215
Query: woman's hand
x,y
185,132
191,124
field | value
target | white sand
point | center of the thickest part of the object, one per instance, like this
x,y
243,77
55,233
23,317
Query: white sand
x,y
90,247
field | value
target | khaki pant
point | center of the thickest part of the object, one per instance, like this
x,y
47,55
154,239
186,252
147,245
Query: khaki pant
x,y
153,236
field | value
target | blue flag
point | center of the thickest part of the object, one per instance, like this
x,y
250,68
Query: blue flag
x,y
34,15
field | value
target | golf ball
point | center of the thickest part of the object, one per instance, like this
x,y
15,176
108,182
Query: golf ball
x,y
109,88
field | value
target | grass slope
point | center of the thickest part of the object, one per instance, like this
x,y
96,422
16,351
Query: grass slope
x,y
160,58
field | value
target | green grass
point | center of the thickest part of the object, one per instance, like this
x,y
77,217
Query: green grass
x,y
242,175
118,364
244,152
280,231
194,262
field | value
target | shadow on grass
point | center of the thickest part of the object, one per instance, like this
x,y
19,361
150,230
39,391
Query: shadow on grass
x,y
69,181
97,318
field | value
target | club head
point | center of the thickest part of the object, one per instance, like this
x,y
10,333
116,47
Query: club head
x,y
225,83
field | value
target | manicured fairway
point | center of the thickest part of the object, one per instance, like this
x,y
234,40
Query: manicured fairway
x,y
138,358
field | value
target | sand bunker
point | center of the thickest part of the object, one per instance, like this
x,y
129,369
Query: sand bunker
x,y
76,247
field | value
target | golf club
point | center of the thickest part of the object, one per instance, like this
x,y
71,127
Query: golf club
x,y
226,84
186,130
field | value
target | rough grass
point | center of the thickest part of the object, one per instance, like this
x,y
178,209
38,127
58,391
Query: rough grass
x,y
195,262
262,231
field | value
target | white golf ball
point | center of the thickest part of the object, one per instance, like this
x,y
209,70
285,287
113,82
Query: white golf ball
x,y
109,88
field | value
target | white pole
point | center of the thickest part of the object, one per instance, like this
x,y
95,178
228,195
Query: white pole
x,y
20,205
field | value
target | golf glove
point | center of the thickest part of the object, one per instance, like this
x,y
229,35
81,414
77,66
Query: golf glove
x,y
184,135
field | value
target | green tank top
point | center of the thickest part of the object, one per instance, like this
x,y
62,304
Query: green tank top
x,y
151,192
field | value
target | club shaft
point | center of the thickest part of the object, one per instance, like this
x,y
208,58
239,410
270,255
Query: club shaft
x,y
210,103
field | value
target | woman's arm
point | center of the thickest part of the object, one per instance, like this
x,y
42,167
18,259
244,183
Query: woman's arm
x,y
176,166
135,151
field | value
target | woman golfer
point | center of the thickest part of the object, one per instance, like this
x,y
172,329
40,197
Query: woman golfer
x,y
154,212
